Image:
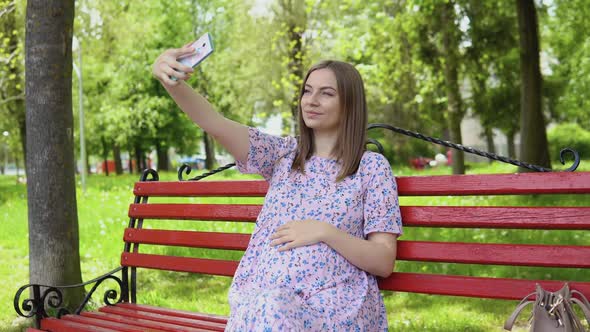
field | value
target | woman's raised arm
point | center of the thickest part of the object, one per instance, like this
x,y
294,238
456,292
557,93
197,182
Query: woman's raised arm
x,y
231,135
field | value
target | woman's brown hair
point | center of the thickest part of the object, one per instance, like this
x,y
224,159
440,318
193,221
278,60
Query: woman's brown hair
x,y
353,122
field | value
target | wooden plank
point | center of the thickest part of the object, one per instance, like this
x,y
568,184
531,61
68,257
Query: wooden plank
x,y
214,212
572,218
54,324
163,318
495,254
180,264
211,240
91,321
247,188
175,312
142,323
452,252
492,288
437,185
495,184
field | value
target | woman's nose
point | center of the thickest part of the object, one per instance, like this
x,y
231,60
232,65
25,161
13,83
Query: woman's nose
x,y
313,99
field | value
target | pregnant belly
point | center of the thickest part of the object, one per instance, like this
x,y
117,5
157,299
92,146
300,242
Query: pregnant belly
x,y
308,269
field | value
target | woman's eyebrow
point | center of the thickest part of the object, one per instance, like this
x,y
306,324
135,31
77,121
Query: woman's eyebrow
x,y
321,88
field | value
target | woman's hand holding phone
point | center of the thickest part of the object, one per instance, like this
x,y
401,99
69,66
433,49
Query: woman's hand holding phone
x,y
175,64
168,70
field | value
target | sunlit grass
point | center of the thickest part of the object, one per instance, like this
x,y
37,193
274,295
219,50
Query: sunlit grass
x,y
102,212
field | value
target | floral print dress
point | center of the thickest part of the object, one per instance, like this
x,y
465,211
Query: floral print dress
x,y
311,288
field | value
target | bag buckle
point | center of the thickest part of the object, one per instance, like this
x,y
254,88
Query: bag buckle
x,y
556,304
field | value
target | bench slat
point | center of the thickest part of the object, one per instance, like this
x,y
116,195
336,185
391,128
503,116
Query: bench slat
x,y
180,264
92,321
211,240
142,323
451,252
496,254
54,324
572,218
492,288
495,184
248,188
514,217
437,185
199,325
175,312
496,288
214,212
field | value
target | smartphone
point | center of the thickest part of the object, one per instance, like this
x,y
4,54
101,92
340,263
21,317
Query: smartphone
x,y
203,48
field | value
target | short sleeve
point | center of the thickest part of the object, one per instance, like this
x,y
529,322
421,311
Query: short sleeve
x,y
264,152
381,207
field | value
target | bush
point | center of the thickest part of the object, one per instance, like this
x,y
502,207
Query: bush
x,y
569,135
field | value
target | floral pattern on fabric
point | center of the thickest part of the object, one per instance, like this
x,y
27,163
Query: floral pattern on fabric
x,y
311,288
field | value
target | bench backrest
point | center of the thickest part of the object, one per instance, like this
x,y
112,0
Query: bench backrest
x,y
444,246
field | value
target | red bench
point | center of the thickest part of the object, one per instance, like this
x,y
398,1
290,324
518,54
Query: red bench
x,y
413,251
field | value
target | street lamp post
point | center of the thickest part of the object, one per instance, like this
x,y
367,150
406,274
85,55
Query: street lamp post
x,y
78,46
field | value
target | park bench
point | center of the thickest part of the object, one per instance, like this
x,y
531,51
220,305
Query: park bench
x,y
414,251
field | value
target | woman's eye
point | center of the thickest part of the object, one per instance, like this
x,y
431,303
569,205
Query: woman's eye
x,y
328,94
306,91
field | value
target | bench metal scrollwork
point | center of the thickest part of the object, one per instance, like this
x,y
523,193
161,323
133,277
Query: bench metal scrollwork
x,y
46,299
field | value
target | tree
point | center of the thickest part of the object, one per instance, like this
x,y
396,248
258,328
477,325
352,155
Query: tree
x,y
571,70
492,55
54,257
12,107
450,52
533,136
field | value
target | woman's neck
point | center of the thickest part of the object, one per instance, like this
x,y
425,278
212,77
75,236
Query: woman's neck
x,y
324,144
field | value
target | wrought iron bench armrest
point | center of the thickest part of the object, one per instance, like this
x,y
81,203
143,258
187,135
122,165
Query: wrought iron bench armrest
x,y
52,297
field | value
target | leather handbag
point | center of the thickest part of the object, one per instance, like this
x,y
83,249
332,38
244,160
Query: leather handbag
x,y
553,311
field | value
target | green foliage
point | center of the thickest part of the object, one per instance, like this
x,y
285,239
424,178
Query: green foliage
x,y
569,135
570,48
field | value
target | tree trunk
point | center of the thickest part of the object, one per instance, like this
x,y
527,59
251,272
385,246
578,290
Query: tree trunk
x,y
88,166
139,161
209,152
22,126
533,136
105,156
3,156
510,143
16,163
454,108
117,158
130,162
489,134
54,257
163,161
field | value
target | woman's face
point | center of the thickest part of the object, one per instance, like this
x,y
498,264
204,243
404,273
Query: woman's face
x,y
320,102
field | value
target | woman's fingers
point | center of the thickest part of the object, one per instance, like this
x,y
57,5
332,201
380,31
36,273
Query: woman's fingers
x,y
280,240
169,70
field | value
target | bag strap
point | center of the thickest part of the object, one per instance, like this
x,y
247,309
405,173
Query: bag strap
x,y
585,308
510,321
582,302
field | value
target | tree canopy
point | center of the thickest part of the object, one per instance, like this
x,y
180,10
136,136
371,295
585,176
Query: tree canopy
x,y
427,64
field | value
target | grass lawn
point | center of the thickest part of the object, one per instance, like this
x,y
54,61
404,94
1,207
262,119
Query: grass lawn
x,y
102,213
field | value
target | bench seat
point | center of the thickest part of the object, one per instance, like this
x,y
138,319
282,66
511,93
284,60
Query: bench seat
x,y
160,207
130,317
